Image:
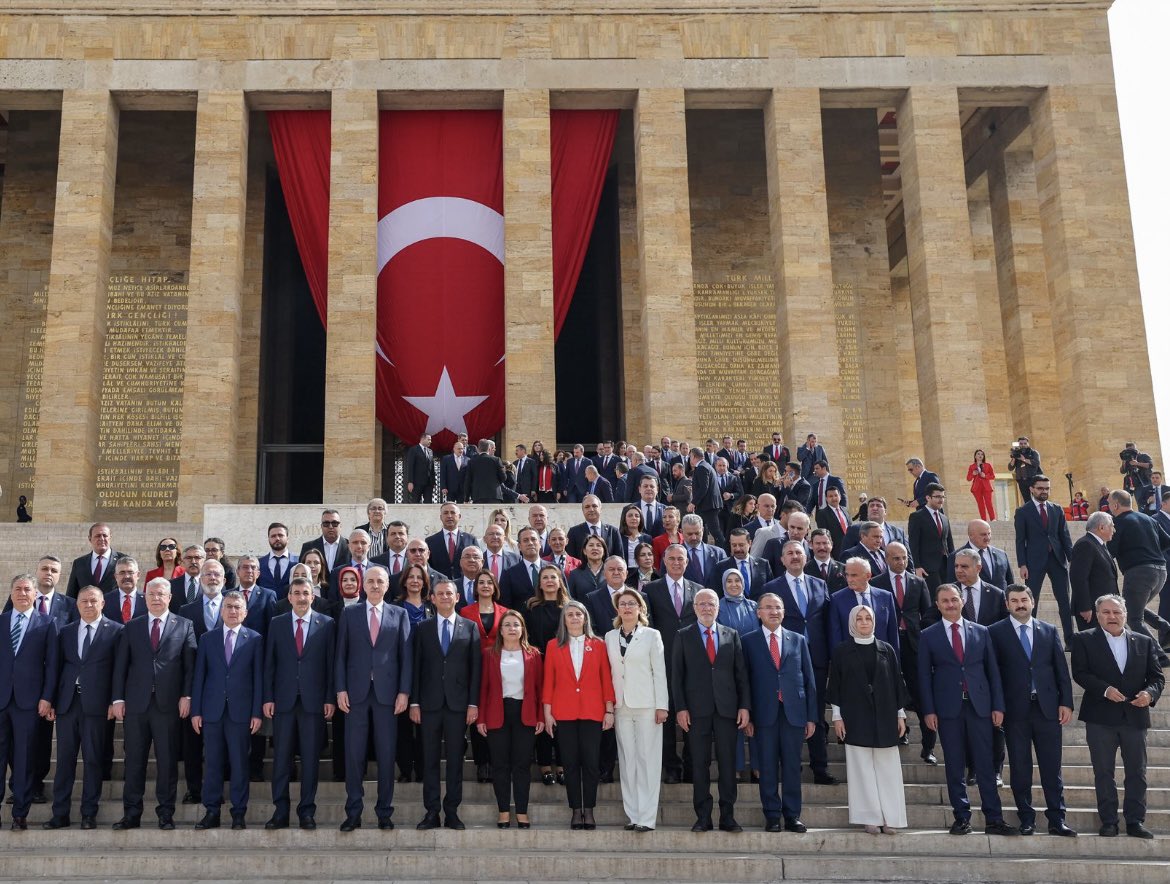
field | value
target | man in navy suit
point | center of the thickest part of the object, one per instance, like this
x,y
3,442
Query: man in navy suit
x,y
276,564
29,662
87,651
126,602
1043,547
702,558
153,671
226,701
591,510
646,497
95,568
573,484
806,613
452,468
996,567
923,479
706,501
858,591
448,544
783,711
298,698
810,453
822,480
373,676
1092,572
526,473
1038,702
419,471
517,583
755,572
962,700
869,547
260,601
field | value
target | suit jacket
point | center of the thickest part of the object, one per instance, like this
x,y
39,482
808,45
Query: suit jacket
x,y
705,488
708,556
1163,521
807,458
573,479
384,669
571,564
113,606
526,477
573,698
601,488
232,690
813,624
731,485
193,611
927,548
890,533
1094,668
795,680
308,676
941,676
419,469
634,480
320,604
482,479
885,614
917,609
62,609
814,497
451,477
778,453
95,674
266,579
583,581
836,578
179,593
654,525
877,563
440,560
660,605
491,690
1001,567
701,687
578,534
448,682
1046,672
261,608
752,525
140,672
759,572
30,675
318,543
826,518
1033,543
607,466
1092,573
81,574
516,586
601,609
471,613
681,494
640,677
992,604
919,492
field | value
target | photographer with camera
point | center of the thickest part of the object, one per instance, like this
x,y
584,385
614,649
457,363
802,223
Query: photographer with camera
x,y
1136,466
1024,463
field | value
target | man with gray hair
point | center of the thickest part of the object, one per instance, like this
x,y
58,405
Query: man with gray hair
x,y
869,547
1138,544
185,587
1092,573
922,478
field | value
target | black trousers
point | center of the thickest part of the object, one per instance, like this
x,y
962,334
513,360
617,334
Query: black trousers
x,y
707,731
580,742
42,753
511,748
818,743
671,761
909,660
447,728
191,748
1104,741
84,735
712,526
305,728
159,728
480,752
547,751
410,748
1028,732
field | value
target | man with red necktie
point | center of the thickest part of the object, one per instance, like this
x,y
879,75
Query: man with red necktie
x,y
95,568
929,533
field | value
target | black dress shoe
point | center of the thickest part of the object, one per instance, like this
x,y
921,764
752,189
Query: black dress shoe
x,y
88,822
772,825
928,758
238,823
548,778
606,776
385,824
904,740
256,778
1109,830
643,829
578,820
308,823
210,821
19,824
192,797
971,781
430,821
1027,829
452,821
671,778
57,822
587,820
730,825
1063,830
277,822
961,827
825,779
166,824
702,826
404,778
1137,830
127,822
630,827
351,823
755,776
793,824
560,778
999,827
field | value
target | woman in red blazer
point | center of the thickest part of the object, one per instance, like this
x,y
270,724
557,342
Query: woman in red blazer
x,y
510,713
671,518
578,706
981,475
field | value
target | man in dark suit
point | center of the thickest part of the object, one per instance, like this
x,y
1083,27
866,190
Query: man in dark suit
x,y
822,564
670,602
444,700
648,502
730,490
214,548
606,461
261,602
806,613
597,485
711,690
276,564
702,558
573,485
95,568
706,501
1162,517
962,700
1092,572
298,698
591,510
1122,678
765,516
520,582
997,568
601,602
205,615
796,488
448,544
755,572
526,473
858,591
833,518
334,548
452,468
778,451
1038,702
1150,496
869,547
913,601
983,603
87,650
126,602
821,483
153,672
808,454
923,479
185,588
783,711
226,701
484,476
373,676
1043,547
929,533
875,509
29,665
419,471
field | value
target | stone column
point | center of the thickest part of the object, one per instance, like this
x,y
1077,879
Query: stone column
x,y
214,300
1098,329
669,377
530,390
79,270
943,292
1030,357
806,332
350,458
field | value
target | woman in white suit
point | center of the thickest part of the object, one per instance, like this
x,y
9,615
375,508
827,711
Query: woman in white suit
x,y
638,666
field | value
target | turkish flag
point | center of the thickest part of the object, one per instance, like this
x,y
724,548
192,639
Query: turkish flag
x,y
441,274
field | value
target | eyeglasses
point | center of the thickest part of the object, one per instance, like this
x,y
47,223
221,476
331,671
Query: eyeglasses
x,y
166,547
333,524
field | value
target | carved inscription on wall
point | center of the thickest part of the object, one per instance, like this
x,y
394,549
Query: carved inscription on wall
x,y
30,405
142,395
852,408
738,368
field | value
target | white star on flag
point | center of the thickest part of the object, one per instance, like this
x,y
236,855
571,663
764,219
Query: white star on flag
x,y
445,410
